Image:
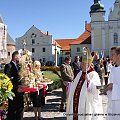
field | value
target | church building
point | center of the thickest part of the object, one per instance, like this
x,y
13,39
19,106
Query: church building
x,y
7,44
41,44
104,34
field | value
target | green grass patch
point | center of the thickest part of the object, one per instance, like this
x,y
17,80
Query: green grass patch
x,y
56,80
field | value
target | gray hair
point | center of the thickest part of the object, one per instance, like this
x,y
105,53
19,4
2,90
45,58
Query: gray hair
x,y
37,63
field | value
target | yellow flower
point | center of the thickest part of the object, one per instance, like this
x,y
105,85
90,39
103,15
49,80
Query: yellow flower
x,y
1,74
5,88
10,86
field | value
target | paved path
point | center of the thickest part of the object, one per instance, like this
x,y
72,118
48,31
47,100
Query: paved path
x,y
51,110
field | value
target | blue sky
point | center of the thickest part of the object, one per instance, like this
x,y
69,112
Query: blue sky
x,y
62,18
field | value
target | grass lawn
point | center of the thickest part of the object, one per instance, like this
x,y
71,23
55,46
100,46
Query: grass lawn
x,y
56,80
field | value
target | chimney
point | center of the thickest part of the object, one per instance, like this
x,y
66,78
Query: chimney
x,y
47,33
85,25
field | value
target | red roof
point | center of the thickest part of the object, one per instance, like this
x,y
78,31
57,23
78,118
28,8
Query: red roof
x,y
65,43
54,42
84,38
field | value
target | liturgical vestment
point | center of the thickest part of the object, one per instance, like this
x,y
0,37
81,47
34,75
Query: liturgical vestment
x,y
89,101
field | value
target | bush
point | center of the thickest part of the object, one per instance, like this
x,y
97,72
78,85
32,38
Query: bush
x,y
50,68
56,80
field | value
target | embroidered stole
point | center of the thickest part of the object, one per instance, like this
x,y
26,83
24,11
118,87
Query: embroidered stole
x,y
77,94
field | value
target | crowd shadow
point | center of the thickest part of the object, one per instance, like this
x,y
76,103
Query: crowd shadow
x,y
55,93
54,100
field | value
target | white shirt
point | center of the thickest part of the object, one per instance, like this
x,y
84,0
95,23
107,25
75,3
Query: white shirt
x,y
115,79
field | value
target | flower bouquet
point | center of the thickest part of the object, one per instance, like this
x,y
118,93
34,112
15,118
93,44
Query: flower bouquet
x,y
5,90
26,68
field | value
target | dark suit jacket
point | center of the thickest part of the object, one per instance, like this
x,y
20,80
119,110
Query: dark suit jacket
x,y
76,66
12,71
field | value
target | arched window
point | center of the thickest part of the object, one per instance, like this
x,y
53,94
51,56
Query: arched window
x,y
115,39
33,35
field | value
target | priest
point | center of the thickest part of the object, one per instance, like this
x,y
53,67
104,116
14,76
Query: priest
x,y
84,101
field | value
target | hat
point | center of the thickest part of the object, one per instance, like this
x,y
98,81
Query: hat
x,y
85,52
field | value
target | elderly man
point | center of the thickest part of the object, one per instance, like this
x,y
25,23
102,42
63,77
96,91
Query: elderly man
x,y
67,77
84,101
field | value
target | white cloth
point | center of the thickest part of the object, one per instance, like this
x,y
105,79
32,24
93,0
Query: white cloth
x,y
67,85
89,102
109,67
113,109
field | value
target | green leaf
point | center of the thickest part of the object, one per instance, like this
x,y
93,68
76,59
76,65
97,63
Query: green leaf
x,y
10,96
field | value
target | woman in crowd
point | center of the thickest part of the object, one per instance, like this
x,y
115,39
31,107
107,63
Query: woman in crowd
x,y
38,98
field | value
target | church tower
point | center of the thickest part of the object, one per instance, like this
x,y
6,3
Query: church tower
x,y
97,11
104,34
3,40
114,24
115,13
97,14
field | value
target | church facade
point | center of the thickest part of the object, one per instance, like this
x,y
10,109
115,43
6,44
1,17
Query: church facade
x,y
100,34
104,34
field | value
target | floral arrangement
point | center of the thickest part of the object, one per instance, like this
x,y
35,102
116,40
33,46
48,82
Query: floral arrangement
x,y
5,88
26,74
29,74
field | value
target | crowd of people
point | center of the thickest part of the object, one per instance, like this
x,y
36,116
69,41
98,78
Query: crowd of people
x,y
16,106
83,93
81,79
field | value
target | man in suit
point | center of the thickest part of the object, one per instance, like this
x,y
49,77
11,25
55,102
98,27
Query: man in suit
x,y
67,77
76,66
15,106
